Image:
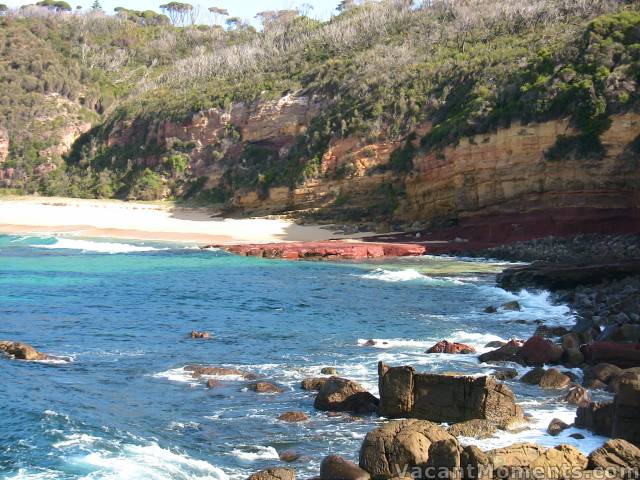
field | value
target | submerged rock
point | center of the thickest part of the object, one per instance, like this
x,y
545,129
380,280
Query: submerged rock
x,y
22,351
513,306
200,335
198,371
329,371
289,456
342,395
445,346
265,387
294,417
334,467
212,383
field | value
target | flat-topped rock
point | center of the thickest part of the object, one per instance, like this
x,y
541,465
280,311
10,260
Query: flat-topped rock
x,y
328,250
22,351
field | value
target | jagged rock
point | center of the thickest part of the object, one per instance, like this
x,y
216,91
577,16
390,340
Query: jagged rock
x,y
289,456
553,378
533,377
597,417
477,428
274,474
506,353
534,458
505,374
556,426
490,309
265,387
329,371
294,417
579,396
616,456
402,445
475,464
342,395
445,346
626,420
313,384
444,398
540,351
334,467
200,335
22,351
547,332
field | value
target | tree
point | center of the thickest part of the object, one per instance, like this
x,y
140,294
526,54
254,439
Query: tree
x,y
178,12
305,9
218,13
96,6
233,23
3,9
346,5
271,18
58,6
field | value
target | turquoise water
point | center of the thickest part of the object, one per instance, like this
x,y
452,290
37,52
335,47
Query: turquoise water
x,y
120,406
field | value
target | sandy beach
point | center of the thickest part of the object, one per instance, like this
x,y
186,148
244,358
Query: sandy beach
x,y
147,221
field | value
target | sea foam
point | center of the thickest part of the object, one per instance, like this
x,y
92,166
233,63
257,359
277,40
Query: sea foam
x,y
91,246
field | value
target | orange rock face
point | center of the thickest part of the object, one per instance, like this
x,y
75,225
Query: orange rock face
x,y
330,250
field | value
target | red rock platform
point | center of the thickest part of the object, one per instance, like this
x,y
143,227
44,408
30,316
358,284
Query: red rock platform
x,y
329,250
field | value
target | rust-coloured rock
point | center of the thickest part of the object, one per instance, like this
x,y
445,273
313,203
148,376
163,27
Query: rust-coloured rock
x,y
22,351
294,417
274,474
312,383
539,351
265,387
445,346
623,355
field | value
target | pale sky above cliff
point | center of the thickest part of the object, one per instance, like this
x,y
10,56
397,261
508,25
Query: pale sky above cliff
x,y
245,9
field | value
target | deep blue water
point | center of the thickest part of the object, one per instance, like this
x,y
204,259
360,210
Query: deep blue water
x,y
122,407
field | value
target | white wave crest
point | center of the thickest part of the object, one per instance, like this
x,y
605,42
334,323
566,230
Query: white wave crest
x,y
256,453
394,343
410,275
96,247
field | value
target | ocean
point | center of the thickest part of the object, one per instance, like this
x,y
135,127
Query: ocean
x,y
118,404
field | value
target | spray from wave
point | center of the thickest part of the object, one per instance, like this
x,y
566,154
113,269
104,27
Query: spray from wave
x,y
90,246
411,275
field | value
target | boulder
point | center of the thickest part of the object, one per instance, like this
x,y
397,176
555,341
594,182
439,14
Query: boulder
x,y
506,353
213,383
504,374
513,306
22,351
577,436
200,335
533,377
265,387
369,343
490,309
616,456
342,395
571,341
329,371
597,417
445,346
556,427
495,344
572,357
554,378
294,417
398,447
623,355
603,372
626,420
444,398
334,467
477,428
289,456
578,395
312,383
274,474
539,351
475,464
558,462
627,374
550,332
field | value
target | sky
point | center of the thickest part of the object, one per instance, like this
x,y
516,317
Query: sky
x,y
245,9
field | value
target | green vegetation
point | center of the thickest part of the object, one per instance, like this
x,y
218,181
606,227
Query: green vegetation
x,y
381,69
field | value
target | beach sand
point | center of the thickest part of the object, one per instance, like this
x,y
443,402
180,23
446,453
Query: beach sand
x,y
147,221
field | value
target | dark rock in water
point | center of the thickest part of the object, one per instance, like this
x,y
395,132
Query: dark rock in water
x,y
289,456
445,346
402,445
577,436
556,427
554,378
548,332
490,309
477,428
533,377
274,474
294,417
342,395
334,467
212,383
329,371
539,350
597,417
617,457
504,374
495,344
624,355
200,335
579,396
198,371
22,351
506,353
265,387
369,343
313,383
513,306
444,398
